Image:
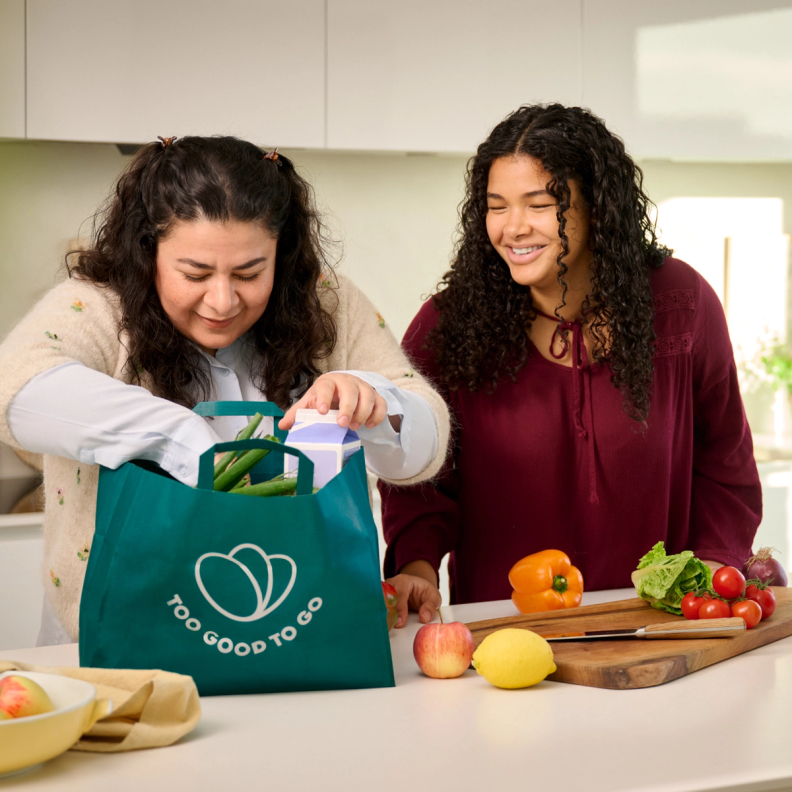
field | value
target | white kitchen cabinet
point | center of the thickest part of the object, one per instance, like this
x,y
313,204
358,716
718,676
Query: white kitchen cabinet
x,y
776,527
709,80
12,68
437,76
130,71
21,591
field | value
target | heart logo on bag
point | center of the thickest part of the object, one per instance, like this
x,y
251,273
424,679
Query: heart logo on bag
x,y
263,605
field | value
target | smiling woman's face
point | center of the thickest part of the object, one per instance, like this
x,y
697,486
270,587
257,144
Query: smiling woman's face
x,y
214,279
522,225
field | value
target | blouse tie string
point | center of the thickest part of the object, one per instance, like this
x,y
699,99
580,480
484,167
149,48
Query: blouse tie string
x,y
581,380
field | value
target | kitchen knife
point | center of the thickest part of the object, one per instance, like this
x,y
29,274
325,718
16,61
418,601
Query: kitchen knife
x,y
699,628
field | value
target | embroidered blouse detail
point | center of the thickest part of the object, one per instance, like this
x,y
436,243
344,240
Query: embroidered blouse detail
x,y
674,345
679,298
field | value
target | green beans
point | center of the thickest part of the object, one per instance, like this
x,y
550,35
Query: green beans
x,y
245,434
277,486
231,471
236,472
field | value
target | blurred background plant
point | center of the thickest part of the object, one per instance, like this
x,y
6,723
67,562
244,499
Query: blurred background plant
x,y
769,363
777,362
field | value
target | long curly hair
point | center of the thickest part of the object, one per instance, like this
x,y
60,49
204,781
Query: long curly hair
x,y
217,179
484,314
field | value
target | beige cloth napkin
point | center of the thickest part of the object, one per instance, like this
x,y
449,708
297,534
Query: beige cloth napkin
x,y
150,708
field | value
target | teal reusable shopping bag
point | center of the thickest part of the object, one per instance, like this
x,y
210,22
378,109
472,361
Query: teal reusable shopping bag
x,y
245,594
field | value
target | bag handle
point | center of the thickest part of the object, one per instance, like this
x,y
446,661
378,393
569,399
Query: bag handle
x,y
219,408
222,408
305,467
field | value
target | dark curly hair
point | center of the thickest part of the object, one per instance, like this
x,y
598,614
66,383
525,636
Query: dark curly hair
x,y
484,313
218,179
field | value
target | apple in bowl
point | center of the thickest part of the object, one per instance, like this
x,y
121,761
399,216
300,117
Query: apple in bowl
x,y
27,741
21,697
443,651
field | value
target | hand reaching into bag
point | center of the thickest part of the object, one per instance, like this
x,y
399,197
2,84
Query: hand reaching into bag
x,y
416,587
358,404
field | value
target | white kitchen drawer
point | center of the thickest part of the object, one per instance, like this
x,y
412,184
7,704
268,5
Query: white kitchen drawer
x,y
775,529
21,592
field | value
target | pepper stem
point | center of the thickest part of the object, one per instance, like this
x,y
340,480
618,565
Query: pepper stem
x,y
560,584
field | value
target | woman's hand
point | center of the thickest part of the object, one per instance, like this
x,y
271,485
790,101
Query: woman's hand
x,y
357,402
416,587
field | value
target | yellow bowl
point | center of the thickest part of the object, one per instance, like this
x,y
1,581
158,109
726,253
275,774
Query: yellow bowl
x,y
27,742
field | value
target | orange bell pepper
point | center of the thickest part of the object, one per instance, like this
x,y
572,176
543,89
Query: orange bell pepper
x,y
545,581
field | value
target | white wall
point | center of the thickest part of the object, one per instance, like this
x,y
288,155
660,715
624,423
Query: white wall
x,y
395,216
48,193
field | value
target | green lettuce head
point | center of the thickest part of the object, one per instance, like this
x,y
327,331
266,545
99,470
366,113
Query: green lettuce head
x,y
662,580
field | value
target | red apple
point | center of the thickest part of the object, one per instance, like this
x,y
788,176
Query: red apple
x,y
443,651
21,697
391,598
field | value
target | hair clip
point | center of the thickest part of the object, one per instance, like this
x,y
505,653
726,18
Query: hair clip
x,y
273,155
168,141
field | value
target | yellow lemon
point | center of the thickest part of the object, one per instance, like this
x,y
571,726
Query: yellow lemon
x,y
513,658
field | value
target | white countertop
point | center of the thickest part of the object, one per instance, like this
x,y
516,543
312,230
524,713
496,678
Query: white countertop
x,y
724,727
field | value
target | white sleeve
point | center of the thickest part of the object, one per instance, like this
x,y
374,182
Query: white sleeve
x,y
398,455
75,412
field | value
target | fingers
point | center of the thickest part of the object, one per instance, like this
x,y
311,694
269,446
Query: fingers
x,y
429,603
417,594
402,608
318,397
402,585
379,413
366,401
348,396
321,395
358,404
287,421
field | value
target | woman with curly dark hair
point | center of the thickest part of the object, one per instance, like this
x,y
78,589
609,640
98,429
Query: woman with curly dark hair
x,y
591,376
206,280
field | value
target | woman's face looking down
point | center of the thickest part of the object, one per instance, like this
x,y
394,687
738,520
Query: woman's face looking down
x,y
523,228
214,279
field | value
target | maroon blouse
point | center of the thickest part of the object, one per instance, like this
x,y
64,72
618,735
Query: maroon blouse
x,y
552,461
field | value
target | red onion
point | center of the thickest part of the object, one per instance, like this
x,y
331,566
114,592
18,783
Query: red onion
x,y
766,568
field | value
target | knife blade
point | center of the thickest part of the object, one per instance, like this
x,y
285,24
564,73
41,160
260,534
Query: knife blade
x,y
677,630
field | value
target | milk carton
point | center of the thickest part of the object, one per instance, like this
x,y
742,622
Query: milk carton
x,y
328,445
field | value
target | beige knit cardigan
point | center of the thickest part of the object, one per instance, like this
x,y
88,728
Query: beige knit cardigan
x,y
79,321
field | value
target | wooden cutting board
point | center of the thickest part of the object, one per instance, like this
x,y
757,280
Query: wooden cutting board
x,y
626,664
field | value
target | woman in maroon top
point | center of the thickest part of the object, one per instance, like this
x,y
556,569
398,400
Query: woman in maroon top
x,y
591,376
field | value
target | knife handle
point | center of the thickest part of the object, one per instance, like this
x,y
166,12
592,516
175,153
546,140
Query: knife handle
x,y
698,628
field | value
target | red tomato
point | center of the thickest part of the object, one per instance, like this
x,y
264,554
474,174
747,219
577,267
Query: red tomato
x,y
715,609
728,582
749,611
691,604
762,597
